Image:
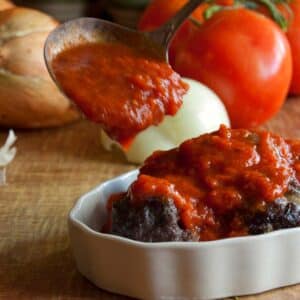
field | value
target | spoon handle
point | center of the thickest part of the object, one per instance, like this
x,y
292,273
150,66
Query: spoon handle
x,y
164,34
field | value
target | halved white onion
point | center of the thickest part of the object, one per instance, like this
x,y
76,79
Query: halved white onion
x,y
201,112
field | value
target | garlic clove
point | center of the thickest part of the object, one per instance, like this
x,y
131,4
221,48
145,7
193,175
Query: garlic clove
x,y
7,152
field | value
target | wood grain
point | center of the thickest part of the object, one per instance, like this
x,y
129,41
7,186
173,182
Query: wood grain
x,y
52,169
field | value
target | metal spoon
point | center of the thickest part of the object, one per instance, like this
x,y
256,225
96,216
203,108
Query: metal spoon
x,y
83,30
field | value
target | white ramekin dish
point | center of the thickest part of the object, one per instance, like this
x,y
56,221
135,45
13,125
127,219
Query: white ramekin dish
x,y
177,270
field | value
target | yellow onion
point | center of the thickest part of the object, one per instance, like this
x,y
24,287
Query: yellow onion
x,y
28,96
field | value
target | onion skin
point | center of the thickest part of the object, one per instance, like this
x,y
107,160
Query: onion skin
x,y
28,96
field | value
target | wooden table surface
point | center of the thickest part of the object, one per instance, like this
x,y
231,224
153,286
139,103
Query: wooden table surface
x,y
52,169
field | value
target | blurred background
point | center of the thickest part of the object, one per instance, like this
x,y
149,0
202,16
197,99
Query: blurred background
x,y
125,12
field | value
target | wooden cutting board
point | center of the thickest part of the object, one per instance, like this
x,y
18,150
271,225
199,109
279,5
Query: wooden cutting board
x,y
52,169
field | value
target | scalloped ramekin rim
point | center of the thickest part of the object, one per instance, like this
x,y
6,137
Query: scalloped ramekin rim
x,y
221,242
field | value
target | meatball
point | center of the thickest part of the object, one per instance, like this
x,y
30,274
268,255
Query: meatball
x,y
155,220
229,183
279,215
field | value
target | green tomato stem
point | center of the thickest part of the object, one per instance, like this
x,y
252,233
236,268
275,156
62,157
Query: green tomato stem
x,y
210,11
275,13
250,4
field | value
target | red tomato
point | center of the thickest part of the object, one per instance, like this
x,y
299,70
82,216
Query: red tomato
x,y
245,58
293,36
292,14
160,11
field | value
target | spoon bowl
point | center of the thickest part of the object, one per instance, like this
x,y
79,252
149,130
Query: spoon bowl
x,y
83,30
91,30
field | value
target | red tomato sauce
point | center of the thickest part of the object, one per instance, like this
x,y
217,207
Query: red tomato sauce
x,y
124,89
215,179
